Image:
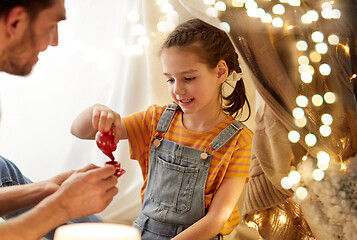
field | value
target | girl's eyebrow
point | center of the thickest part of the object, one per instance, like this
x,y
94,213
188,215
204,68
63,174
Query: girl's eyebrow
x,y
184,72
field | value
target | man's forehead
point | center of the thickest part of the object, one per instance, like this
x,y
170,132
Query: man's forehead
x,y
55,13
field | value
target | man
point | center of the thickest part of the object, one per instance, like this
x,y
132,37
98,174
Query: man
x,y
28,27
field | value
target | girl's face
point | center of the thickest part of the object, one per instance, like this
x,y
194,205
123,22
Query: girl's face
x,y
192,85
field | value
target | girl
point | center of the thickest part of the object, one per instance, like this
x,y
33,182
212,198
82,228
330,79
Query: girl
x,y
193,154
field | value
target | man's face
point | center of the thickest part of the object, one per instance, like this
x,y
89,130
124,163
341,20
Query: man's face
x,y
22,55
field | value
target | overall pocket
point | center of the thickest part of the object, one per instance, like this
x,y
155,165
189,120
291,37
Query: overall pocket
x,y
172,185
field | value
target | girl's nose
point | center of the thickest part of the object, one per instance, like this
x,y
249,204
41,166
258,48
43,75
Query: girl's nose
x,y
179,89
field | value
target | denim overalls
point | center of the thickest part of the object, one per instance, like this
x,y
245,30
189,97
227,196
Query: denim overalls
x,y
174,196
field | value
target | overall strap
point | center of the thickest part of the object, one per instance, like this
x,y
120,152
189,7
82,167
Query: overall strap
x,y
166,118
226,135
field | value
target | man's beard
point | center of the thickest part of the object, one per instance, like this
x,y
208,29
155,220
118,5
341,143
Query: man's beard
x,y
11,60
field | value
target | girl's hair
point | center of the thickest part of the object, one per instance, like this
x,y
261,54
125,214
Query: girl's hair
x,y
212,45
33,7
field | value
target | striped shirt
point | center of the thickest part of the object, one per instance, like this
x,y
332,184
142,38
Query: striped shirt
x,y
231,161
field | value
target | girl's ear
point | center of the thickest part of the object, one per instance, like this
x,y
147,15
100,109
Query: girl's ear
x,y
222,68
16,21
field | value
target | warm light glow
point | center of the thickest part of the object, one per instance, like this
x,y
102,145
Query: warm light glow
x,y
279,9
282,219
209,2
330,97
325,69
333,39
306,77
267,18
298,113
310,140
317,100
212,12
294,136
301,193
144,41
315,56
303,60
301,45
326,119
294,2
318,174
323,156
96,231
277,22
237,3
225,27
302,101
138,30
133,16
321,48
167,7
295,177
336,14
286,183
325,130
220,6
301,122
317,36
326,6
313,15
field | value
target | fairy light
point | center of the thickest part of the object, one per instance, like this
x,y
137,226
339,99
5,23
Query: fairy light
x,y
305,68
251,5
294,136
336,14
317,36
278,22
301,122
298,113
237,3
303,60
295,3
327,119
133,16
167,7
302,101
143,41
317,100
209,2
313,15
301,45
212,12
310,140
220,6
294,177
325,130
225,27
282,219
266,18
321,48
301,193
330,97
333,39
286,183
315,56
306,77
325,69
318,174
279,9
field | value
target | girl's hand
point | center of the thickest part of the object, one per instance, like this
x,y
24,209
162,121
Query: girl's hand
x,y
103,119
